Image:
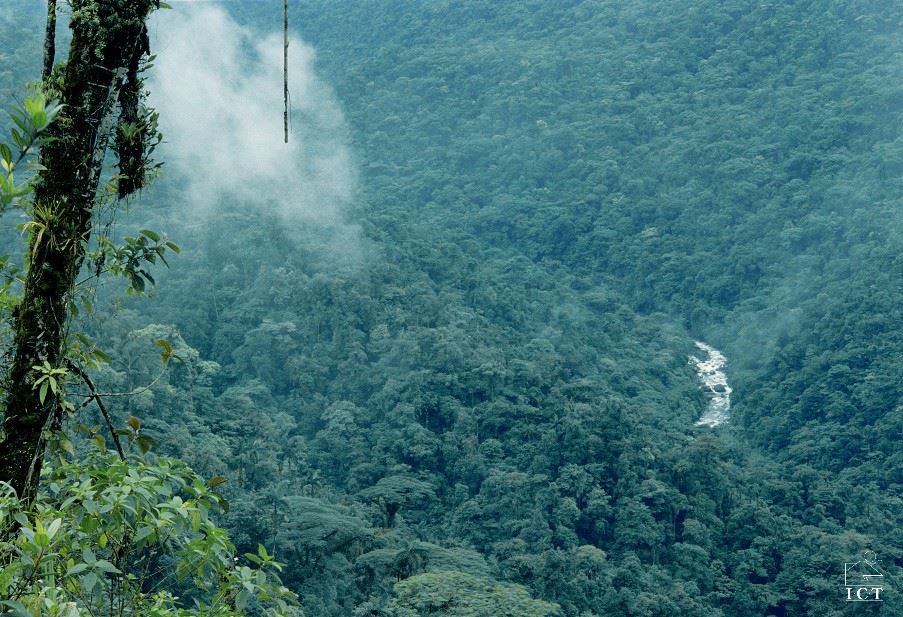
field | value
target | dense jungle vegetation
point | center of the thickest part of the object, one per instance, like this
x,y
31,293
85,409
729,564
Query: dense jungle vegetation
x,y
476,400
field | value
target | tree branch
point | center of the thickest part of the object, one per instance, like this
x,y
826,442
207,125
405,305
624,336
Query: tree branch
x,y
103,409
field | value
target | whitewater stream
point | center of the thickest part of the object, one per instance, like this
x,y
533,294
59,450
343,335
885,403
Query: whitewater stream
x,y
709,363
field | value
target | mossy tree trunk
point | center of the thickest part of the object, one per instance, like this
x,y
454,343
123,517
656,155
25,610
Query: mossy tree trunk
x,y
109,39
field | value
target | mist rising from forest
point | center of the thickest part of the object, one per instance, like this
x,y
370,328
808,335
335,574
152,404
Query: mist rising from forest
x,y
218,88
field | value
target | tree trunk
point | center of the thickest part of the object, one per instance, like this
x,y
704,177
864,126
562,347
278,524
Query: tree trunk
x,y
109,37
49,40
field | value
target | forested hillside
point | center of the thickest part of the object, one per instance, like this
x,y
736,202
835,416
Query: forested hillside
x,y
455,379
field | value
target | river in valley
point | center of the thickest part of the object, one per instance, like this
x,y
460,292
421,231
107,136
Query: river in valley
x,y
709,364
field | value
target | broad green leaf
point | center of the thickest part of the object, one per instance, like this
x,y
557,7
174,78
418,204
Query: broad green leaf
x,y
54,527
41,539
18,607
149,233
106,567
143,532
144,443
89,581
40,120
216,481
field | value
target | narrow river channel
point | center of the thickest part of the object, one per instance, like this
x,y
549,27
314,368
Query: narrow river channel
x,y
709,364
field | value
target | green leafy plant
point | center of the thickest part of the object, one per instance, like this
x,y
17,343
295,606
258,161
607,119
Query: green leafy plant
x,y
50,379
110,537
129,260
30,119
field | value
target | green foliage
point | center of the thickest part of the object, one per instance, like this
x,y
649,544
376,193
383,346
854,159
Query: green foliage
x,y
107,537
394,492
462,595
128,260
556,197
49,379
30,120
